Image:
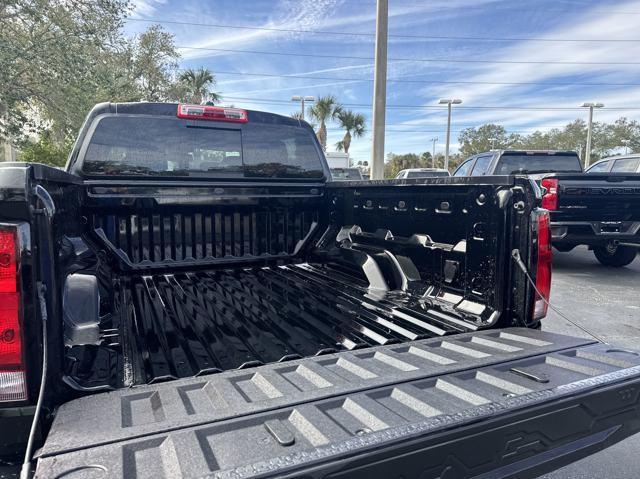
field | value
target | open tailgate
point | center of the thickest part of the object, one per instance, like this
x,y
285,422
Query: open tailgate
x,y
495,403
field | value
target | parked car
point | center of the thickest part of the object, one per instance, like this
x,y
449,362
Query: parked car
x,y
616,164
514,162
422,173
600,209
211,305
346,174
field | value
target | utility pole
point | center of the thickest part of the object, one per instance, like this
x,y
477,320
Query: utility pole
x,y
302,99
493,142
590,106
433,152
448,102
626,146
380,90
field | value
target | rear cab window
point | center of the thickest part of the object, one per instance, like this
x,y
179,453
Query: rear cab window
x,y
346,174
426,174
143,145
523,162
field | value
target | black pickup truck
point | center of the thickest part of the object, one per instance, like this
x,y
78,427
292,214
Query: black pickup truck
x,y
203,303
598,209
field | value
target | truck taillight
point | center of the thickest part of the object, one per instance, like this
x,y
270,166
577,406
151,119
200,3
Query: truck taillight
x,y
543,270
218,113
550,196
13,385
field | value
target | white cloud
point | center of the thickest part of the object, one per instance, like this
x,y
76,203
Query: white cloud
x,y
145,7
590,26
288,15
320,15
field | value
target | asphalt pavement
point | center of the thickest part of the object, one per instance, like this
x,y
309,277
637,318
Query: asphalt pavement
x,y
606,302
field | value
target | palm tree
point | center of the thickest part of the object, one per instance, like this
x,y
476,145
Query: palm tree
x,y
198,84
354,125
325,108
297,115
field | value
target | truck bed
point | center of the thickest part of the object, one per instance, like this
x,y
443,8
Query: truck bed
x,y
495,403
272,273
200,322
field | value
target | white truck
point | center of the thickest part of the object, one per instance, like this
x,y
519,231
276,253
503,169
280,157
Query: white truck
x,y
337,159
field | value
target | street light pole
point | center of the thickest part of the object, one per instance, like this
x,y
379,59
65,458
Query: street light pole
x,y
433,152
448,102
493,142
626,146
380,90
302,99
590,106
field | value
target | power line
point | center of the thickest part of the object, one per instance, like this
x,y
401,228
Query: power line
x,y
419,107
521,8
398,59
460,127
371,35
392,80
388,130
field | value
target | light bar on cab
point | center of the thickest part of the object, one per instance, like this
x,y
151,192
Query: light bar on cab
x,y
215,113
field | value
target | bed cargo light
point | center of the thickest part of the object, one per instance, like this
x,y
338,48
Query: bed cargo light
x,y
13,385
216,113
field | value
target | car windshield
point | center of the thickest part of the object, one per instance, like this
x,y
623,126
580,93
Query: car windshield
x,y
346,174
426,174
509,164
152,146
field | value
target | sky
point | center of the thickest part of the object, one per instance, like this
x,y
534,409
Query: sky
x,y
524,64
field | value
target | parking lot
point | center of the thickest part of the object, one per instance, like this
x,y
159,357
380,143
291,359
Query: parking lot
x,y
604,301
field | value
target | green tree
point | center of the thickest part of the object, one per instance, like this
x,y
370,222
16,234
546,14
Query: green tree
x,y
606,138
154,62
354,125
56,59
46,151
482,138
198,84
623,130
396,163
426,159
324,109
454,161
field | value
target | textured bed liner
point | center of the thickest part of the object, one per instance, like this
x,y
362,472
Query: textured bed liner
x,y
194,323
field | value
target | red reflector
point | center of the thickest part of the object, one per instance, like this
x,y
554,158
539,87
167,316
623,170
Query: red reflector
x,y
217,113
550,196
13,386
8,261
543,270
10,334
